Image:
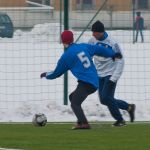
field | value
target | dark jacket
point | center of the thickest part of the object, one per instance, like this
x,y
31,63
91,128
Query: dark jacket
x,y
139,24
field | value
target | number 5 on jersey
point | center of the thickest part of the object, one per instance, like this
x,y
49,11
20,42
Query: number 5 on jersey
x,y
84,59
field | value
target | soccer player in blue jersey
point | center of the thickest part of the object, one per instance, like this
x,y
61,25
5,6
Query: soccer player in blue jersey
x,y
109,72
78,59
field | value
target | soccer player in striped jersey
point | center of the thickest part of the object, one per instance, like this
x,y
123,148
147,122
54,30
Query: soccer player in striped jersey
x,y
109,72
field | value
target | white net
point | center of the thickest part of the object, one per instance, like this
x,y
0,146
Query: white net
x,y
30,52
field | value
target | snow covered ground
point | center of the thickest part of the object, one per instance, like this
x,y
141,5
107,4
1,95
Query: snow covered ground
x,y
23,93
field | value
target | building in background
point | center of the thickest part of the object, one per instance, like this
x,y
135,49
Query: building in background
x,y
116,14
82,4
12,3
112,13
118,5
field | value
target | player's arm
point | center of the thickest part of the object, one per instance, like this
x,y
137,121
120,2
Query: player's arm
x,y
102,51
119,63
60,69
118,70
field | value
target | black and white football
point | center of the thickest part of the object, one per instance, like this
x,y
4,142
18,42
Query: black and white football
x,y
39,119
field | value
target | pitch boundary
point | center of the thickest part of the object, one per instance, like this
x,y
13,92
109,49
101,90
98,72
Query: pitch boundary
x,y
9,149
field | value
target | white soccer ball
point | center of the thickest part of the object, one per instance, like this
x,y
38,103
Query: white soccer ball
x,y
39,119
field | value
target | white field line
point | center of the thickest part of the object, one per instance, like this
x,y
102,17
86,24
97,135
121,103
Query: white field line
x,y
9,149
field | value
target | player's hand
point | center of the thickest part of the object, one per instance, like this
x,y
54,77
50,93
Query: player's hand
x,y
117,56
43,74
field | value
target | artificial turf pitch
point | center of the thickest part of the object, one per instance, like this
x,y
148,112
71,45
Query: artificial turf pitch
x,y
56,136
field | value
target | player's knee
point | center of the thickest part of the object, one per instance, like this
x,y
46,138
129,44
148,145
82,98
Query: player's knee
x,y
75,102
70,97
105,100
74,105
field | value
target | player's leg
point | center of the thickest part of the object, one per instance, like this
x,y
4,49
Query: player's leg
x,y
121,104
107,98
137,32
130,108
76,99
142,38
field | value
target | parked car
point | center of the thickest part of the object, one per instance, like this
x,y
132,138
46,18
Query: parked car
x,y
6,26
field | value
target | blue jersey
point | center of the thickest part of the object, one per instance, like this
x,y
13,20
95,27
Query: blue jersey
x,y
78,59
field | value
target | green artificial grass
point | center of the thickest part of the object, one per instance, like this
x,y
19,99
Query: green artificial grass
x,y
56,136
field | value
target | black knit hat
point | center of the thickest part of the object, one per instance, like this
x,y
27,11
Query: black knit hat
x,y
138,13
98,27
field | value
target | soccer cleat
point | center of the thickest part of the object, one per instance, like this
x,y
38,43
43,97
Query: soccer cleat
x,y
81,126
131,112
119,123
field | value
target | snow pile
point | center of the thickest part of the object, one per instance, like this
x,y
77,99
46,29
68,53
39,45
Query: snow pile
x,y
28,54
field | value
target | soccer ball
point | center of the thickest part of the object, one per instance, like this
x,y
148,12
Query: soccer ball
x,y
39,120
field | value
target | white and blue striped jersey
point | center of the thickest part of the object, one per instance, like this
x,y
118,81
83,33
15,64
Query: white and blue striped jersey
x,y
106,66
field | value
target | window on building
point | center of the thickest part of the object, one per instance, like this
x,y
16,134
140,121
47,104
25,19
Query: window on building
x,y
45,2
142,4
85,4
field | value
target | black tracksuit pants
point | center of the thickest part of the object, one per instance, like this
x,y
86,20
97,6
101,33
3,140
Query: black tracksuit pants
x,y
78,96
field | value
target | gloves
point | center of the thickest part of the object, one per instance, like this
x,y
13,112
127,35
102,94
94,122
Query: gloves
x,y
117,55
43,74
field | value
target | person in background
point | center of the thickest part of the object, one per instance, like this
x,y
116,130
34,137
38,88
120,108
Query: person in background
x,y
77,59
109,72
139,25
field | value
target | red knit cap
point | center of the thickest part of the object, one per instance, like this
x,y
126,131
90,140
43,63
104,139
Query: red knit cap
x,y
67,37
